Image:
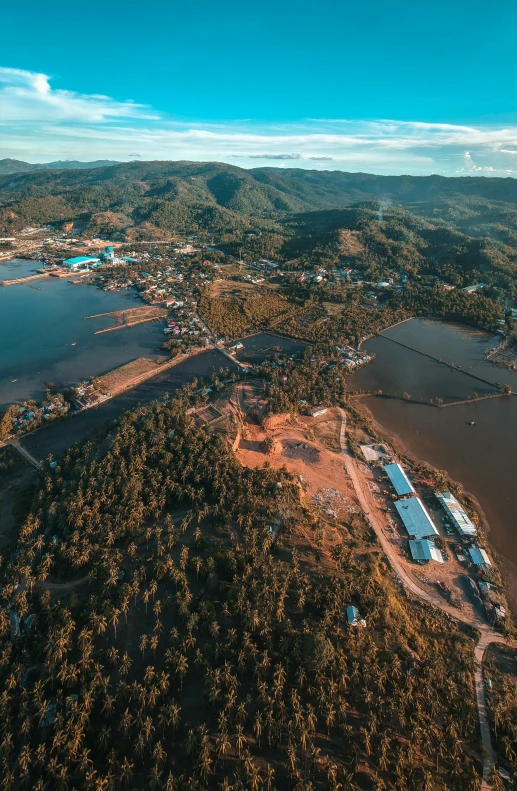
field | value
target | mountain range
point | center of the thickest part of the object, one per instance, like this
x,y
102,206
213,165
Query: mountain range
x,y
8,166
149,198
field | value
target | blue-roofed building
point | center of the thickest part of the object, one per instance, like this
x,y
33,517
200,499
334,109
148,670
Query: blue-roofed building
x,y
81,262
425,550
415,518
479,556
352,614
399,479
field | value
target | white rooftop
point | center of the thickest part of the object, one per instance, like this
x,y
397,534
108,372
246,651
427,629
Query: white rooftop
x,y
425,550
399,479
459,518
416,520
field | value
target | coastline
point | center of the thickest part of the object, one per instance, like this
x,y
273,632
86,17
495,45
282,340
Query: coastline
x,y
123,388
507,568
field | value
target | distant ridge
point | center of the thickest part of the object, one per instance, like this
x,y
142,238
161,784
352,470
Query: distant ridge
x,y
8,166
146,199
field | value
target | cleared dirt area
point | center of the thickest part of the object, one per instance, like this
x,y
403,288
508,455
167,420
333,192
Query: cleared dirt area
x,y
310,448
131,316
333,308
237,288
302,451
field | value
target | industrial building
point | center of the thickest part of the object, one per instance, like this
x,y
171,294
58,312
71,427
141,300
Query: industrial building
x,y
456,513
415,518
399,479
425,550
81,262
479,556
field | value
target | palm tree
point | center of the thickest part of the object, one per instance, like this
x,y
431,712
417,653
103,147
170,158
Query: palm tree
x,y
114,620
126,771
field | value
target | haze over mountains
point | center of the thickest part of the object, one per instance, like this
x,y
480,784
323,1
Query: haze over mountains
x,y
8,166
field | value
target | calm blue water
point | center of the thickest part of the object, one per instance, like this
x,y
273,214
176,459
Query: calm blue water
x,y
40,321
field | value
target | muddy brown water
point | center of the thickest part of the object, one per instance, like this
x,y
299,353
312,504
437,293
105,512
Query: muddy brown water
x,y
483,457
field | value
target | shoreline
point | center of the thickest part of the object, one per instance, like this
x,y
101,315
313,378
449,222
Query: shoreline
x,y
160,367
507,568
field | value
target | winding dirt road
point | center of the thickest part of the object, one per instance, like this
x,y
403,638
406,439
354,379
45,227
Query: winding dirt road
x,y
486,634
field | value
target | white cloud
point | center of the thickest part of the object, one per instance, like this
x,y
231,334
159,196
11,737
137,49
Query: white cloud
x,y
28,96
41,123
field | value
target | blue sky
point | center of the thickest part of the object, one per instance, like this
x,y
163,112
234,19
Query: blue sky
x,y
385,87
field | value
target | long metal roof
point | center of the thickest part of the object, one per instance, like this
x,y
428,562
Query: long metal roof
x,y
81,259
399,479
479,557
416,520
459,518
425,550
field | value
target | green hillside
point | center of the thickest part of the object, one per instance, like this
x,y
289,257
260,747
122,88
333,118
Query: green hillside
x,y
262,192
460,229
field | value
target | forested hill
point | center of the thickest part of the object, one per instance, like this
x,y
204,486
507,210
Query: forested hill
x,y
8,166
174,196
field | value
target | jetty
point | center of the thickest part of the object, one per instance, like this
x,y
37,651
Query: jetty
x,y
27,279
41,274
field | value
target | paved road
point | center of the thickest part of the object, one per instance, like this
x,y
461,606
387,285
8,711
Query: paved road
x,y
486,634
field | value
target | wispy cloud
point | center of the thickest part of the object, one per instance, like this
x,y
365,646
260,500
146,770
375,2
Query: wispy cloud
x,y
39,122
269,156
28,96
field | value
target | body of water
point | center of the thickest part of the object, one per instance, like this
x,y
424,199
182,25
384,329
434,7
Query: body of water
x,y
482,457
57,437
46,339
259,347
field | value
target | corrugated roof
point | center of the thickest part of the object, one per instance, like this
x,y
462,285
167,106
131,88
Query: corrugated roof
x,y
479,557
399,479
352,614
425,550
81,259
460,519
416,520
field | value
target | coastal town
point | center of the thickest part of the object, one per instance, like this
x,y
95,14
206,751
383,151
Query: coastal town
x,y
434,541
258,397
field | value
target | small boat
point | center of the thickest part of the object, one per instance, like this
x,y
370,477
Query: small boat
x,y
74,344
14,380
472,423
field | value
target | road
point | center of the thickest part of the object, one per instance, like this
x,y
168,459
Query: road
x,y
228,355
486,634
15,443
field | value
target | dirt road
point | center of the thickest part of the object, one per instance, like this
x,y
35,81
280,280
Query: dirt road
x,y
25,453
486,634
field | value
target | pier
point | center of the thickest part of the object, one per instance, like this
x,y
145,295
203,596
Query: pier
x,y
27,279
